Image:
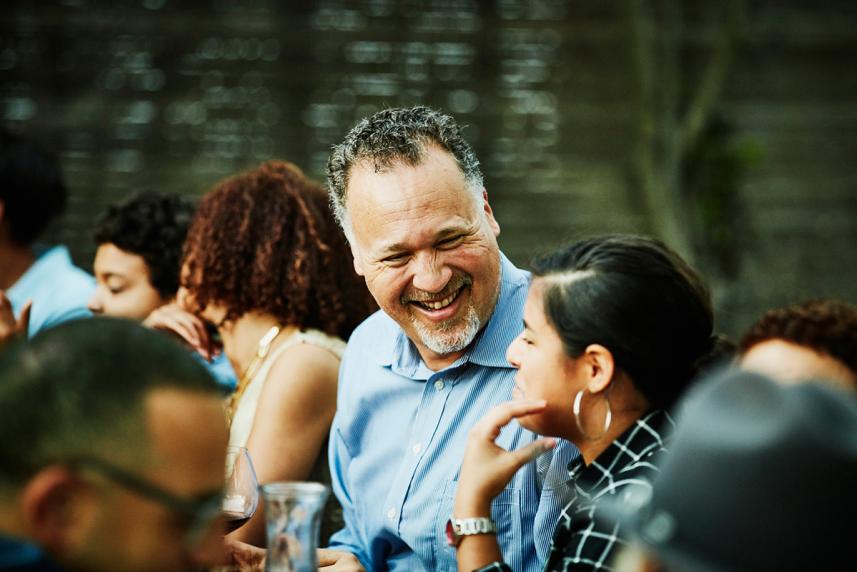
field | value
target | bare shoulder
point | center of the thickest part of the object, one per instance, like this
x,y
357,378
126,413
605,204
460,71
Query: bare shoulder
x,y
307,357
303,368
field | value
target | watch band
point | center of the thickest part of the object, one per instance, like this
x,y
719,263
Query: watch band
x,y
468,526
456,528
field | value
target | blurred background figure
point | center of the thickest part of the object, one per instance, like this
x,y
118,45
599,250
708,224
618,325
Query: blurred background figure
x,y
139,254
32,194
137,267
265,262
812,340
615,328
112,453
760,477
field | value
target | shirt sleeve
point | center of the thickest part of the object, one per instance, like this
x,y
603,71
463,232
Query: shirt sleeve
x,y
347,539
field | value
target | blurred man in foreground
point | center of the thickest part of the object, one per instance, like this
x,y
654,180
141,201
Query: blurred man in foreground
x,y
112,448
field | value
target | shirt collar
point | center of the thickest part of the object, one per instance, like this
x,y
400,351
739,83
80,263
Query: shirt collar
x,y
399,353
648,433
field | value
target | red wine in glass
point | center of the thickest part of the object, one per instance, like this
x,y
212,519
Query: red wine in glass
x,y
234,520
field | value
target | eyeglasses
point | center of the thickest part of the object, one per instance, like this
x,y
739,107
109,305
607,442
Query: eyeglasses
x,y
200,510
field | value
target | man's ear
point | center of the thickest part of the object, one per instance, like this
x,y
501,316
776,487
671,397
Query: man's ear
x,y
355,256
600,367
489,214
53,508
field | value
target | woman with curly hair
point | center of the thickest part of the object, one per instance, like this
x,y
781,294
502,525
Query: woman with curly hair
x,y
266,264
816,339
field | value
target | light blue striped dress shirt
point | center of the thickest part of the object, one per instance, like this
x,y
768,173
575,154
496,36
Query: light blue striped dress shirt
x,y
398,439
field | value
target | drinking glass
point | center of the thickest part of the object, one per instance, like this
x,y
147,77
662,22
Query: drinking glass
x,y
293,513
241,495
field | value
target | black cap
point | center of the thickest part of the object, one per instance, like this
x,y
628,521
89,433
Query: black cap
x,y
760,476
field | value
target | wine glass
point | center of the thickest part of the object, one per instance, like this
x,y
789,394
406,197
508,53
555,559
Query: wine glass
x,y
241,496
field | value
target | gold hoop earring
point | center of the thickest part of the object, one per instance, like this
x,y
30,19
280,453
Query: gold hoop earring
x,y
608,418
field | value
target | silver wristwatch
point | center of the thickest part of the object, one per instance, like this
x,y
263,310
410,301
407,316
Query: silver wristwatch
x,y
456,528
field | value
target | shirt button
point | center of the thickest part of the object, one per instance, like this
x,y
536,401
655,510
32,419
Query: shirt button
x,y
416,448
438,385
391,513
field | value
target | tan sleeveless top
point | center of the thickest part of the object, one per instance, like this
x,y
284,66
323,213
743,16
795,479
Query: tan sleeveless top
x,y
242,422
245,413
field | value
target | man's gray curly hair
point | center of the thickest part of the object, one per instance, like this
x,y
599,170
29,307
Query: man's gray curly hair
x,y
396,136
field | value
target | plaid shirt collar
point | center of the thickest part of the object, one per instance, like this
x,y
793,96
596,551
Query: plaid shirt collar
x,y
644,437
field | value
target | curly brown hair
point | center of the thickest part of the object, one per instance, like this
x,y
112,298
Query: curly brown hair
x,y
826,326
266,241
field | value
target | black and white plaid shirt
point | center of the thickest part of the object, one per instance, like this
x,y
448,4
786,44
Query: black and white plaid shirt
x,y
582,540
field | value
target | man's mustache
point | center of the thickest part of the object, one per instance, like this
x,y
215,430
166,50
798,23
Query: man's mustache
x,y
455,283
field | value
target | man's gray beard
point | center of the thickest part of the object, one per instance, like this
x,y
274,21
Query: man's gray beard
x,y
447,339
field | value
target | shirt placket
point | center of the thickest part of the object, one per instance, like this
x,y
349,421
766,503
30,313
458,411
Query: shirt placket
x,y
436,391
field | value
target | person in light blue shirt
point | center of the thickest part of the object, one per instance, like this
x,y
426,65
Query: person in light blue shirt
x,y
408,193
39,287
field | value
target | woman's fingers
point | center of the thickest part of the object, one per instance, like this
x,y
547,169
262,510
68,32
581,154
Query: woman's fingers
x,y
188,327
490,425
529,452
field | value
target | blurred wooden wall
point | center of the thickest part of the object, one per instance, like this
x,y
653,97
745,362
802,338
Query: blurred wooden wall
x,y
727,128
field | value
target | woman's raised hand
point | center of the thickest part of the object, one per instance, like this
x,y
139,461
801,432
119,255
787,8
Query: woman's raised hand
x,y
188,327
487,467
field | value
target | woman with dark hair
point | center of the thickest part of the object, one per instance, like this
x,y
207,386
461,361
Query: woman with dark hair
x,y
266,264
614,329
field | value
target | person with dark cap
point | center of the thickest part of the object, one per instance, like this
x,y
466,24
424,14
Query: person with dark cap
x,y
39,287
760,477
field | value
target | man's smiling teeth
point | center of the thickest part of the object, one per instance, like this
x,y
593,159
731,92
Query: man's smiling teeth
x,y
441,304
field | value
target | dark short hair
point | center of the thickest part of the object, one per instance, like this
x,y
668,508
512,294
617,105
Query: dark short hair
x,y
152,226
265,241
397,136
637,298
825,326
31,187
78,391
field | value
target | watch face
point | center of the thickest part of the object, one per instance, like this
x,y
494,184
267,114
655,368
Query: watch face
x,y
451,537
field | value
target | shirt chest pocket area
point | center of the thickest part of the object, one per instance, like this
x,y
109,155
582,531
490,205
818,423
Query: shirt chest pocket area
x,y
506,513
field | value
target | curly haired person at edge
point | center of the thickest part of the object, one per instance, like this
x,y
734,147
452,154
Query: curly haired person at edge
x,y
265,262
408,192
816,339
